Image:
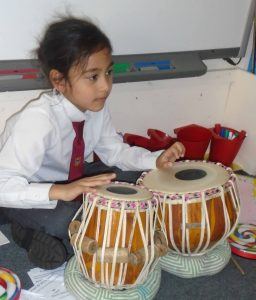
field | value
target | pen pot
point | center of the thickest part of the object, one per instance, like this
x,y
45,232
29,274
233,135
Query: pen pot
x,y
195,138
225,144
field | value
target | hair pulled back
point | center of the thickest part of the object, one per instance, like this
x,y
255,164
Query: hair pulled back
x,y
67,42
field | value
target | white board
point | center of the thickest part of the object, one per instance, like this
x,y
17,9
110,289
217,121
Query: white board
x,y
134,26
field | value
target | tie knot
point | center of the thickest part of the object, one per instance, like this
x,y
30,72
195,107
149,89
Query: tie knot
x,y
78,127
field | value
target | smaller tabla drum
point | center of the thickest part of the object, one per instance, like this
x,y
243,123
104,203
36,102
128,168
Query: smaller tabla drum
x,y
199,204
114,238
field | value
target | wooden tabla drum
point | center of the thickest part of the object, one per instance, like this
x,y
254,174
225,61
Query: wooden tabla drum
x,y
199,204
114,238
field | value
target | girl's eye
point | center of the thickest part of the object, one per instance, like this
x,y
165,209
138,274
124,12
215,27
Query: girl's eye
x,y
109,72
93,77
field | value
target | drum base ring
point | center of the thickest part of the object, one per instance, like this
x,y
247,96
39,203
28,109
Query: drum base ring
x,y
206,264
82,289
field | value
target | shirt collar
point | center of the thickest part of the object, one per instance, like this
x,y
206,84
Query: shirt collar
x,y
74,114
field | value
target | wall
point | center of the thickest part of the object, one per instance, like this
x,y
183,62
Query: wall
x,y
240,112
163,104
168,104
226,97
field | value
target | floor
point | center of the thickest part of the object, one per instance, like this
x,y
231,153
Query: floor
x,y
227,284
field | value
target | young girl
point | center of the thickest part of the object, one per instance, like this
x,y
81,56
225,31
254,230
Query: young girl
x,y
44,146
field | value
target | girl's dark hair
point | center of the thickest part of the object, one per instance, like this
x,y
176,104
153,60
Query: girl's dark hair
x,y
68,42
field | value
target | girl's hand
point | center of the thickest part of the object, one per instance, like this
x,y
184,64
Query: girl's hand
x,y
168,157
70,191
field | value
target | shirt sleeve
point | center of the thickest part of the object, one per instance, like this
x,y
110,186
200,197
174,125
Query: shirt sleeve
x,y
114,152
23,149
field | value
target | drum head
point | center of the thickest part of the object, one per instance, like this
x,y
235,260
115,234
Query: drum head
x,y
123,191
186,176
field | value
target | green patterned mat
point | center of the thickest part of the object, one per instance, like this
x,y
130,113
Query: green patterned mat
x,y
207,264
82,289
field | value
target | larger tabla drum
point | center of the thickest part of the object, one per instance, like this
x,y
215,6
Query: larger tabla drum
x,y
199,204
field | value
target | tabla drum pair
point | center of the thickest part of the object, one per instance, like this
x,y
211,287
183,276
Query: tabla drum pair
x,y
199,209
116,244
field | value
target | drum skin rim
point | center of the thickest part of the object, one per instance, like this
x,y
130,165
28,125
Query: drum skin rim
x,y
161,185
141,195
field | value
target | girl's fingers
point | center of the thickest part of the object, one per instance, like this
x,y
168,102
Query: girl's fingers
x,y
90,180
177,150
167,164
89,190
181,149
175,153
171,154
108,176
92,183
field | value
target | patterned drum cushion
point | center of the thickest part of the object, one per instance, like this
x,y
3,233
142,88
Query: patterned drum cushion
x,y
206,264
83,289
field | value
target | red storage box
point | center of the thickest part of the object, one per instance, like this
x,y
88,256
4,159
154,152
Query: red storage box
x,y
224,147
195,138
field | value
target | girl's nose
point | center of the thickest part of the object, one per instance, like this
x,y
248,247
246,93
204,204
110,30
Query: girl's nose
x,y
105,84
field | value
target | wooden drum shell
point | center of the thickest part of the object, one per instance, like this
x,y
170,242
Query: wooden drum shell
x,y
124,234
217,224
132,270
195,222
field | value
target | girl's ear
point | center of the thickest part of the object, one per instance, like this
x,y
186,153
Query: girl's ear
x,y
57,80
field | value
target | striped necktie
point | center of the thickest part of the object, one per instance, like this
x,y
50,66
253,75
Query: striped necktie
x,y
76,169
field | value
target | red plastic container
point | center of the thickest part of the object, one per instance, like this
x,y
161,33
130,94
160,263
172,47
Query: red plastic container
x,y
195,138
136,140
223,149
157,140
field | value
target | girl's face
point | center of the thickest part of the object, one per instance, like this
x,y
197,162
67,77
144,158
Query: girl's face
x,y
89,88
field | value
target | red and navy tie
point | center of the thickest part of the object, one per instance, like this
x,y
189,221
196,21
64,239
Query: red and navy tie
x,y
76,169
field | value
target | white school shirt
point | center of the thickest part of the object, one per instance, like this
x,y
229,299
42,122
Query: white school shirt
x,y
36,148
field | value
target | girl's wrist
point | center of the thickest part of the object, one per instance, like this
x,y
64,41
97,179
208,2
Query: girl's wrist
x,y
55,192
